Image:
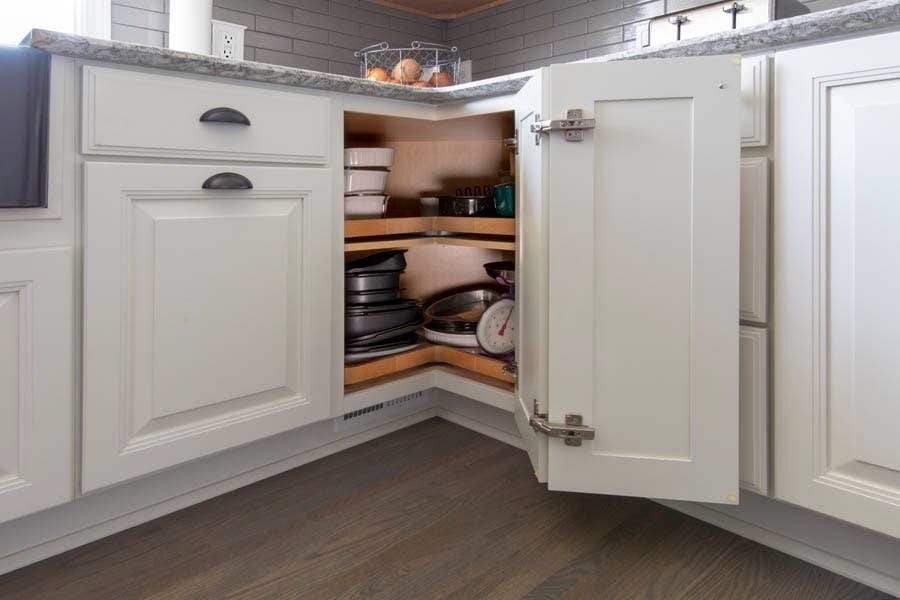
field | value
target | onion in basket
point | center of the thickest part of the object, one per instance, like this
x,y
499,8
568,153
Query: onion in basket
x,y
406,70
377,74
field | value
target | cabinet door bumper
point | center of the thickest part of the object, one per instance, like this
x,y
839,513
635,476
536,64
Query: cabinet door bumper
x,y
207,312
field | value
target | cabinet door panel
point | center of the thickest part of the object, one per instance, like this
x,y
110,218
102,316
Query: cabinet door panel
x,y
36,383
836,285
207,312
754,410
643,285
755,101
754,239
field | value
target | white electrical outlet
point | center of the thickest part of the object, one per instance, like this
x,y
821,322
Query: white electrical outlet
x,y
227,40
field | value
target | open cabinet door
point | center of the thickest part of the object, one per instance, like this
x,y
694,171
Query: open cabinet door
x,y
642,276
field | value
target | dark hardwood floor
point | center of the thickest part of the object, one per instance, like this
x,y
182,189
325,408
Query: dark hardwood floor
x,y
432,511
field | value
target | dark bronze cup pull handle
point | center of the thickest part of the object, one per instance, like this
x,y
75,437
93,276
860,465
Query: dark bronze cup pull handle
x,y
223,114
227,181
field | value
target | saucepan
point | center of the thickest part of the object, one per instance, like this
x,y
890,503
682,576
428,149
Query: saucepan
x,y
468,202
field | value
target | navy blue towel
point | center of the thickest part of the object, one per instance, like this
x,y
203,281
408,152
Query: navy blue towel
x,y
24,107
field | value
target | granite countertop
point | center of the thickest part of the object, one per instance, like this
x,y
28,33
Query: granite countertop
x,y
855,19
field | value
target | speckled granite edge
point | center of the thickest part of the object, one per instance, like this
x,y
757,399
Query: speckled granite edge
x,y
871,15
185,62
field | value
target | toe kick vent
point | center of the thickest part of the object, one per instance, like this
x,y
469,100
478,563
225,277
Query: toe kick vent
x,y
363,416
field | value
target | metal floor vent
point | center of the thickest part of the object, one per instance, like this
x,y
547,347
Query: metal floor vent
x,y
362,416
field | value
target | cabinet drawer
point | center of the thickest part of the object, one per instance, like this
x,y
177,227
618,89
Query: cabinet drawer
x,y
142,114
205,325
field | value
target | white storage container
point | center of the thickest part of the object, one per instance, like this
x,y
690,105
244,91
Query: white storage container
x,y
363,181
368,157
365,207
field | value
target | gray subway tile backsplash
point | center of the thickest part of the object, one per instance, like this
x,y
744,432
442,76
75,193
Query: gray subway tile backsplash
x,y
508,38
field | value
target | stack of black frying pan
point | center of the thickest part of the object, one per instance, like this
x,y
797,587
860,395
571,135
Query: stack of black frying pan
x,y
377,321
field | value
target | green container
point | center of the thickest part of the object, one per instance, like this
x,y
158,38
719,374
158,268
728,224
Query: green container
x,y
505,199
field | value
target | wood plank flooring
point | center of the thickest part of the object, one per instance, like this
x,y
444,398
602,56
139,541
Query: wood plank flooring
x,y
432,511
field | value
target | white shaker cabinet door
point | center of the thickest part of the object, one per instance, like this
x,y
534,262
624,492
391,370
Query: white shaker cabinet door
x,y
642,237
836,285
36,380
207,312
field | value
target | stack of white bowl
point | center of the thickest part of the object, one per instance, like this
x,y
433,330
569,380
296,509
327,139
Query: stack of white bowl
x,y
365,177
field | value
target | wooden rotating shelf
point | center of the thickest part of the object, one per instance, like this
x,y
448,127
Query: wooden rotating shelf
x,y
405,232
491,242
491,226
426,354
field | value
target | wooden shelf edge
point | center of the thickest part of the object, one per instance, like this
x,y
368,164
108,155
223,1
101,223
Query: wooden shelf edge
x,y
389,243
426,354
364,228
368,384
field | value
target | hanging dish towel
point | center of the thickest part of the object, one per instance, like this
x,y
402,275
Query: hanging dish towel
x,y
24,104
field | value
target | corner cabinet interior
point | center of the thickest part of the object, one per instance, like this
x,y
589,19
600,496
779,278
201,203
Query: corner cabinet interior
x,y
626,246
444,254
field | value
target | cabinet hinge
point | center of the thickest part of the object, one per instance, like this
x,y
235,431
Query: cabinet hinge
x,y
512,143
574,125
572,432
511,369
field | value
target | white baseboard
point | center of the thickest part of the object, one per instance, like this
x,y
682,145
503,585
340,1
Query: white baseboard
x,y
491,421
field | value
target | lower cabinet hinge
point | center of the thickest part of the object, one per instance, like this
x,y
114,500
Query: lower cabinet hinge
x,y
572,432
511,369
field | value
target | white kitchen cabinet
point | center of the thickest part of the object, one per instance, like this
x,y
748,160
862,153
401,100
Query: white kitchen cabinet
x,y
634,264
37,455
207,312
836,288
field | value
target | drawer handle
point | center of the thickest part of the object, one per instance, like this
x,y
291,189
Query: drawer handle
x,y
223,114
227,181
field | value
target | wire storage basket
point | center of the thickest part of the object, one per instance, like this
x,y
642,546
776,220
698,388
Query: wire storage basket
x,y
423,64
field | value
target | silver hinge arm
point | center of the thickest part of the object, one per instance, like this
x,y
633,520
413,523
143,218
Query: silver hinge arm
x,y
572,432
573,125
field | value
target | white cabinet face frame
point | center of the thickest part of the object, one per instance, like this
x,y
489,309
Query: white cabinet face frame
x,y
754,101
531,276
207,313
643,232
754,239
835,283
36,380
